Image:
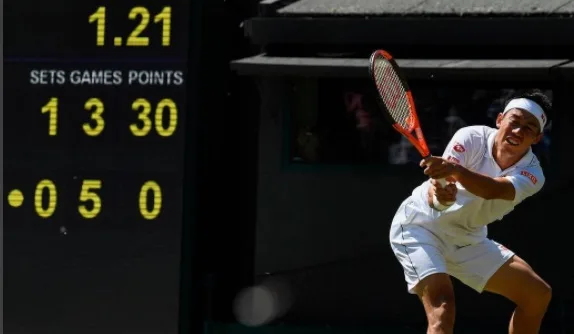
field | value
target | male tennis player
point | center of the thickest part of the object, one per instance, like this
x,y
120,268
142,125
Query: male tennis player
x,y
494,170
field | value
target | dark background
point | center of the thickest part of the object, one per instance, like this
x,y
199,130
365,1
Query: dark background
x,y
117,272
322,226
326,187
251,207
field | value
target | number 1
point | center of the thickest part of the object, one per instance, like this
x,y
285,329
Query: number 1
x,y
52,109
99,16
165,18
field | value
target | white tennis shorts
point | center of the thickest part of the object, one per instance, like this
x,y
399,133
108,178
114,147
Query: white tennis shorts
x,y
423,252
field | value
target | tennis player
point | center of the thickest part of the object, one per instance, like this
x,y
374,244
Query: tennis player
x,y
492,170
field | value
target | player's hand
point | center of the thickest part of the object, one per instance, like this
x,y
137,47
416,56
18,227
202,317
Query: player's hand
x,y
438,168
443,195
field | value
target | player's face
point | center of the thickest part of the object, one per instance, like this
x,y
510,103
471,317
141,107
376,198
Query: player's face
x,y
519,130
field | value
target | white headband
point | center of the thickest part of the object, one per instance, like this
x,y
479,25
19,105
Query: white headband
x,y
530,106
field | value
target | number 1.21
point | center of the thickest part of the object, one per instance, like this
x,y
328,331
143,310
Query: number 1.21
x,y
134,39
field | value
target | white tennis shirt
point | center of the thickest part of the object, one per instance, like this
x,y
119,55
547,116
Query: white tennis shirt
x,y
465,221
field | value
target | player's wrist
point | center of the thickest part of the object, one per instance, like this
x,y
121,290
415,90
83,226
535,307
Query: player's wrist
x,y
457,170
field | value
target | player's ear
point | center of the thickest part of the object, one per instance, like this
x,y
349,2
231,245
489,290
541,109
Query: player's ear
x,y
538,138
499,120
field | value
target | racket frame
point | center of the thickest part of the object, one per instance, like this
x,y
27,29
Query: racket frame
x,y
419,142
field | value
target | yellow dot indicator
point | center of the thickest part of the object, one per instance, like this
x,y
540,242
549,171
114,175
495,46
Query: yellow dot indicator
x,y
15,198
117,41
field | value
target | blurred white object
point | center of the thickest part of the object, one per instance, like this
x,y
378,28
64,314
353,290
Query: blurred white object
x,y
261,304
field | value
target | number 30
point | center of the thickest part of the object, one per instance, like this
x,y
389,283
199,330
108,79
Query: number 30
x,y
144,108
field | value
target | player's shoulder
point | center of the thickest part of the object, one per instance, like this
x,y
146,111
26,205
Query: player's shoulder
x,y
533,164
532,169
470,141
475,132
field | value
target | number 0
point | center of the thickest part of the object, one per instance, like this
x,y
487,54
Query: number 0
x,y
143,201
39,198
161,130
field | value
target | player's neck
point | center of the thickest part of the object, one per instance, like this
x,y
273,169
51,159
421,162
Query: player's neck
x,y
504,158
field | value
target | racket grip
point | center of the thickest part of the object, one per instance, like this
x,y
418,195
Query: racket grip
x,y
436,204
442,182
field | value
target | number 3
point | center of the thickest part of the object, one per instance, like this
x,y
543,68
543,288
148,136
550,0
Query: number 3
x,y
97,107
145,107
88,194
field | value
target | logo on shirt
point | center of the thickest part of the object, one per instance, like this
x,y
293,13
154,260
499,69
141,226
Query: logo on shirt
x,y
458,148
530,176
453,159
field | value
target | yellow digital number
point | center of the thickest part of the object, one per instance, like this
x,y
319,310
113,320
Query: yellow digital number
x,y
166,132
88,193
39,198
51,108
135,39
143,200
145,107
165,18
97,108
99,16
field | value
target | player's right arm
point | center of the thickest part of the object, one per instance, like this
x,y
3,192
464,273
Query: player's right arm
x,y
464,150
484,186
460,150
520,184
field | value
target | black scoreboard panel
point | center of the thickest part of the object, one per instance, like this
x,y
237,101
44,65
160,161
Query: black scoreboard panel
x,y
95,103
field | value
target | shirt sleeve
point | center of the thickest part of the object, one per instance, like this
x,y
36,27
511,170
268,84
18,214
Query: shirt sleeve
x,y
463,147
526,181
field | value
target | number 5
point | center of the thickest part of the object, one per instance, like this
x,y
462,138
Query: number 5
x,y
88,194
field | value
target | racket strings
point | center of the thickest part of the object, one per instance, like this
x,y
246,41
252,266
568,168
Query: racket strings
x,y
393,95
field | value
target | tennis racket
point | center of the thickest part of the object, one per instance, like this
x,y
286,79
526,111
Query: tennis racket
x,y
396,101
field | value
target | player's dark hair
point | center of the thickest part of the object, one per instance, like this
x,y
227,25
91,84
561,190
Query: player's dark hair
x,y
537,96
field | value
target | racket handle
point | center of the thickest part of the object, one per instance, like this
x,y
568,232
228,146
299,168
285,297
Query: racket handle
x,y
442,182
437,205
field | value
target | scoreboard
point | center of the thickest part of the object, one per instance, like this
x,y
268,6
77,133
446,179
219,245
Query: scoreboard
x,y
94,127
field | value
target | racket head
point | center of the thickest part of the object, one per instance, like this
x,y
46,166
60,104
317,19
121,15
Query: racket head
x,y
395,98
